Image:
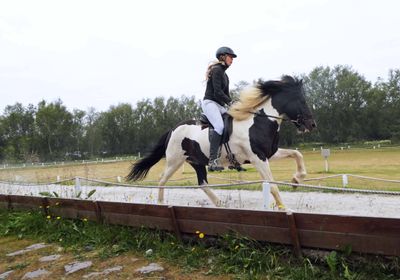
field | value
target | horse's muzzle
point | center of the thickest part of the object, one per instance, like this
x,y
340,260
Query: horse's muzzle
x,y
305,124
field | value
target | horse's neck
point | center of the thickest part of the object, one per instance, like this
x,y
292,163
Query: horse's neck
x,y
269,109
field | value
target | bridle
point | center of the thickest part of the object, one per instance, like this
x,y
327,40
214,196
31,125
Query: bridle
x,y
298,121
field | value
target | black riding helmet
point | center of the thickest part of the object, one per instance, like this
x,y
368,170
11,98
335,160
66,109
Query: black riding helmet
x,y
223,51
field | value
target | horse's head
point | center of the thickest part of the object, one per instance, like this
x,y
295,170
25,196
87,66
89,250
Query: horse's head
x,y
287,97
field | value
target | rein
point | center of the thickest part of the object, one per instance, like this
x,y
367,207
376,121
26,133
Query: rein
x,y
275,117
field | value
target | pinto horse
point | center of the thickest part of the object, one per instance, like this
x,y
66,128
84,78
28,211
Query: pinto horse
x,y
257,117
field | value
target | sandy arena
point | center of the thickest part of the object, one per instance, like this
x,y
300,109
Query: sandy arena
x,y
376,205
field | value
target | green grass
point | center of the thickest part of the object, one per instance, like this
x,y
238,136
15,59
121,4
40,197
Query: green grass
x,y
230,254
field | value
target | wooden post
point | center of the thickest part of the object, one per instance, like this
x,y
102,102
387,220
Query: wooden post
x,y
266,190
174,222
9,204
294,236
45,203
98,211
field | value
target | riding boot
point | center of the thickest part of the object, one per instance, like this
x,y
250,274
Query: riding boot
x,y
215,142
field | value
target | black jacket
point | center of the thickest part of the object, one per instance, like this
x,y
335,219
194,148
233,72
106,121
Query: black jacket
x,y
218,85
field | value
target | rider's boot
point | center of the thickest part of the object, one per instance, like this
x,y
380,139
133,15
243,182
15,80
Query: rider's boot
x,y
215,141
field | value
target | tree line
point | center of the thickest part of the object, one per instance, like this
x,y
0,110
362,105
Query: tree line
x,y
346,107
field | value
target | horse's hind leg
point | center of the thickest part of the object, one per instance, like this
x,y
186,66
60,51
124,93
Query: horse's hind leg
x,y
171,166
201,173
301,172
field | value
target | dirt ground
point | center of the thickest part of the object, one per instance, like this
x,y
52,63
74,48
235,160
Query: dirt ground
x,y
29,262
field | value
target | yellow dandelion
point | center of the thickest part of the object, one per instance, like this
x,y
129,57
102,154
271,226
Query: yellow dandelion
x,y
58,217
201,235
48,217
84,219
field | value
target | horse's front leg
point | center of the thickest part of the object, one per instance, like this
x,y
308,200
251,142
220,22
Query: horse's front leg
x,y
301,172
265,171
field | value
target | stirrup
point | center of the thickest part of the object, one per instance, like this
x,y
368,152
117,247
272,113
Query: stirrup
x,y
238,167
213,166
234,164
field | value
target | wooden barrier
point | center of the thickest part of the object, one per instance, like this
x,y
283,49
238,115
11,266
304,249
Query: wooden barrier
x,y
363,234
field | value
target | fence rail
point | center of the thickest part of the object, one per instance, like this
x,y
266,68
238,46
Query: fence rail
x,y
335,232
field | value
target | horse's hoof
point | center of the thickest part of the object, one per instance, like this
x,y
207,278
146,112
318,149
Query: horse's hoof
x,y
295,181
281,207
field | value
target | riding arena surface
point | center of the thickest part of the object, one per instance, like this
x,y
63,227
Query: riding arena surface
x,y
355,204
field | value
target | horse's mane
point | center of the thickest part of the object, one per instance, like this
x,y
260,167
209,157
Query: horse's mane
x,y
249,99
253,97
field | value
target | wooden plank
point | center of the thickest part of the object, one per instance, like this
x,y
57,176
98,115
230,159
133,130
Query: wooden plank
x,y
135,208
364,243
138,221
262,233
236,216
363,234
349,224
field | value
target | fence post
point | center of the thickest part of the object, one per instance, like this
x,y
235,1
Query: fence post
x,y
266,189
345,180
78,188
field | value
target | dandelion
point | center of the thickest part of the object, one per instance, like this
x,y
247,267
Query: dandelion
x,y
201,235
197,232
48,217
58,217
84,219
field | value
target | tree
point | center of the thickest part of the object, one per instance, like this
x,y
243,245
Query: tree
x,y
18,132
54,126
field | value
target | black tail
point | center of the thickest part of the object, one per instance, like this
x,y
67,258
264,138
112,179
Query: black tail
x,y
142,167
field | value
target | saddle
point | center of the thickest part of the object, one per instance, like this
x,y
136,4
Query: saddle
x,y
204,122
227,126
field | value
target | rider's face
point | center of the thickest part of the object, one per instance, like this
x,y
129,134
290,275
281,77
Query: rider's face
x,y
228,60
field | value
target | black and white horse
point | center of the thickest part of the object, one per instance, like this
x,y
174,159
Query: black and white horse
x,y
254,139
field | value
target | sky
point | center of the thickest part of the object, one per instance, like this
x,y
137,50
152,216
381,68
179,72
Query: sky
x,y
97,54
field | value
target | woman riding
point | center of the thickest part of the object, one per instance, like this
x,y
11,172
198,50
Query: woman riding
x,y
216,97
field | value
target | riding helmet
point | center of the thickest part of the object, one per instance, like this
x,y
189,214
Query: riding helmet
x,y
223,51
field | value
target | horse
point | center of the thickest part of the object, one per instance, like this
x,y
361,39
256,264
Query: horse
x,y
256,119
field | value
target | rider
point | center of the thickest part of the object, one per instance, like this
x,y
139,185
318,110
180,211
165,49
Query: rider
x,y
216,96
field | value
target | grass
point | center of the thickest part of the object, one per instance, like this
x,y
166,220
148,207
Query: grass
x,y
232,255
379,163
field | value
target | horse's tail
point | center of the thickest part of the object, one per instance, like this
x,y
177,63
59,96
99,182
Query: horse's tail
x,y
142,167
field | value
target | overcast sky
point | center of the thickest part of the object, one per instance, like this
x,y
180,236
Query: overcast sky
x,y
102,53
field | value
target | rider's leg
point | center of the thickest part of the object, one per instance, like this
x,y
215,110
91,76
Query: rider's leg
x,y
213,112
215,142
